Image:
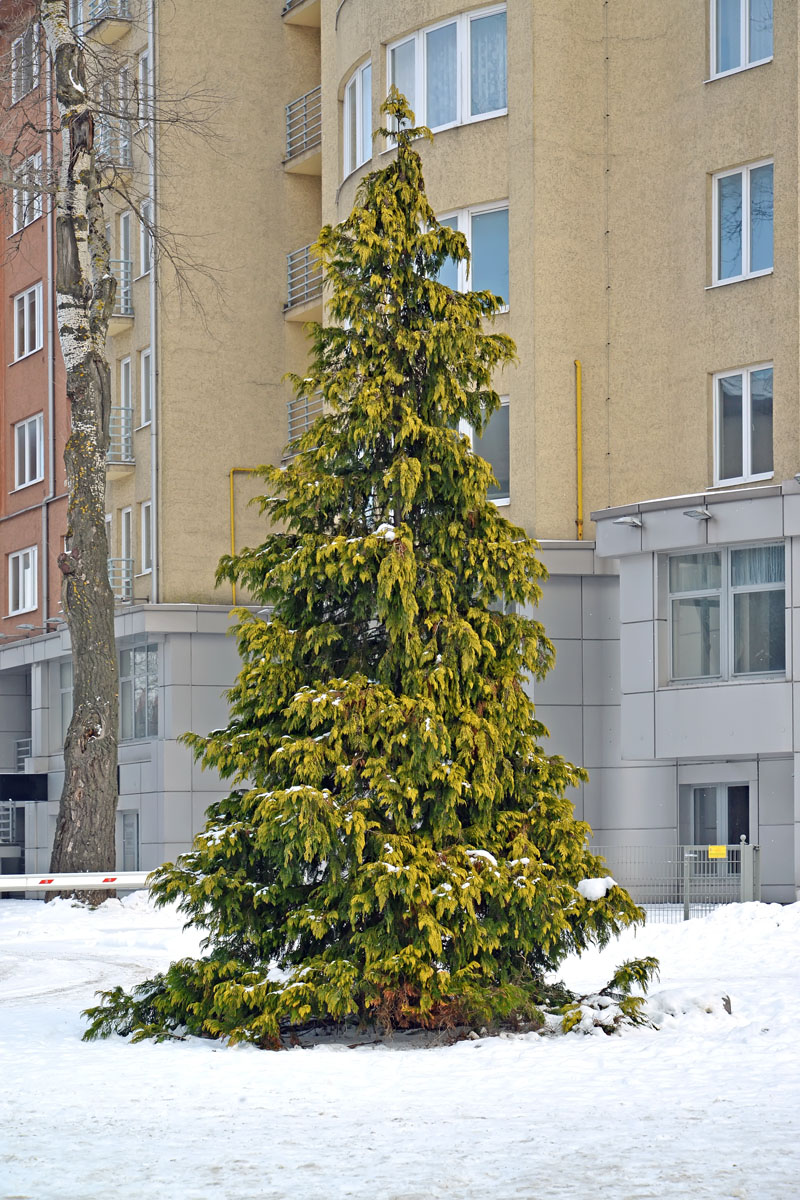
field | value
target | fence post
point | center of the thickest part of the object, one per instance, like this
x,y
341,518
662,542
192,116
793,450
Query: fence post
x,y
745,870
687,881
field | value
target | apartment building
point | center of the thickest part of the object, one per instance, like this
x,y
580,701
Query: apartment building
x,y
626,175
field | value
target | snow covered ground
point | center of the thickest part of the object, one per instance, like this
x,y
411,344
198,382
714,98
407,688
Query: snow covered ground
x,y
706,1106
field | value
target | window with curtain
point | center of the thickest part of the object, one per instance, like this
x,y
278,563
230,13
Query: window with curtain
x,y
486,231
454,72
727,612
743,424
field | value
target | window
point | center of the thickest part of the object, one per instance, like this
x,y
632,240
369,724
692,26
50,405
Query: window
x,y
145,384
138,692
125,383
27,193
125,534
453,72
146,237
147,536
743,222
29,451
486,231
144,88
743,425
75,14
358,119
65,693
130,841
22,570
727,612
25,63
741,34
494,445
28,321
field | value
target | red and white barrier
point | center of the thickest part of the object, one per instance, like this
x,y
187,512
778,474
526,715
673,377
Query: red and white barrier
x,y
84,881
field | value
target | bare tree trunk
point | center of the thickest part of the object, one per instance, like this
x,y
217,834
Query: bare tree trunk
x,y
85,288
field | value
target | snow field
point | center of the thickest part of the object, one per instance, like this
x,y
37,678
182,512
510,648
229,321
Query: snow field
x,y
708,1105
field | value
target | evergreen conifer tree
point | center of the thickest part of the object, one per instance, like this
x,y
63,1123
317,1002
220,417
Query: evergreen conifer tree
x,y
397,841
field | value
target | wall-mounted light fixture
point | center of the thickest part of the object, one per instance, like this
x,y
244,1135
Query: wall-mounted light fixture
x,y
698,514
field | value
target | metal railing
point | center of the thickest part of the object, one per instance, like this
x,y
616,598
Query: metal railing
x,y
120,576
114,143
304,123
679,882
11,830
22,750
303,412
123,302
120,443
109,10
304,277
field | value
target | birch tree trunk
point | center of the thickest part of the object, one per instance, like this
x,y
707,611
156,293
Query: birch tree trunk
x,y
85,289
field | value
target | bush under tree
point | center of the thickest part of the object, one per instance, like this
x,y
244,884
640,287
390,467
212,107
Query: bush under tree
x,y
397,846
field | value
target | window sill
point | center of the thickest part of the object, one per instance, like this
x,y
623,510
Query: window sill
x,y
21,612
144,425
675,685
22,486
142,574
19,99
729,483
762,62
501,502
16,232
738,279
143,275
22,357
492,116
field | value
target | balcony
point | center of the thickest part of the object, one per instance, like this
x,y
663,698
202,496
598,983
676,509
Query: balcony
x,y
120,576
122,315
304,134
304,279
303,412
113,148
108,20
22,750
119,457
301,12
12,825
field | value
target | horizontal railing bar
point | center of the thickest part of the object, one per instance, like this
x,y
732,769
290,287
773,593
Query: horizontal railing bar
x,y
78,881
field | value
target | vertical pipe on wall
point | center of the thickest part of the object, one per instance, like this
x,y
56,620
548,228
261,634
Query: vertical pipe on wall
x,y
579,444
154,374
51,357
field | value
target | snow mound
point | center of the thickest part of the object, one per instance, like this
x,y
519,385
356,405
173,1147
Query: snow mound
x,y
595,889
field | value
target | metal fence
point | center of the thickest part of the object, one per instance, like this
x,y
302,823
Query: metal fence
x,y
304,123
120,576
109,10
304,277
22,750
122,268
303,412
674,883
120,444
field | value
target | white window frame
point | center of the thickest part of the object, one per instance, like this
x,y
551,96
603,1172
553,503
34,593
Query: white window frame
x,y
76,13
464,218
22,432
145,238
131,696
468,432
31,330
726,592
125,383
744,41
144,105
352,161
126,533
66,691
23,571
463,21
747,475
145,387
745,171
146,543
27,205
20,66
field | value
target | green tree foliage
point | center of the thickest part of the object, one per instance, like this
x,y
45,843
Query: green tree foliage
x,y
397,843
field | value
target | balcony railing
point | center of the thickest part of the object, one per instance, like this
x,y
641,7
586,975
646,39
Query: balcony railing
x,y
109,10
122,268
304,123
120,576
22,750
120,444
304,277
114,143
11,828
303,412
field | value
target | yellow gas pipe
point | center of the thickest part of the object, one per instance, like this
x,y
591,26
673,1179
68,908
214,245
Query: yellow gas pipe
x,y
579,443
235,471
